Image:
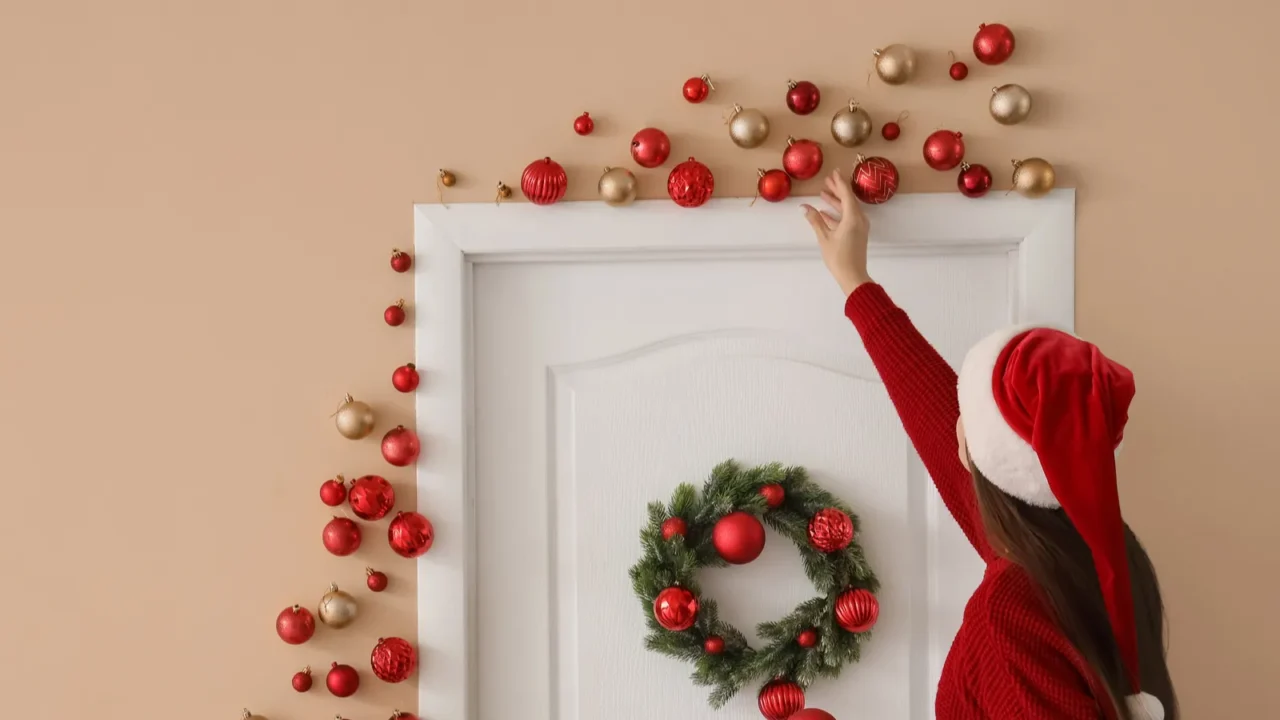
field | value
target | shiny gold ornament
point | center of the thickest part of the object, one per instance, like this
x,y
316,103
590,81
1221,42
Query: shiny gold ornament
x,y
504,193
1033,177
246,715
354,419
447,178
851,126
617,186
748,128
1010,104
337,608
895,64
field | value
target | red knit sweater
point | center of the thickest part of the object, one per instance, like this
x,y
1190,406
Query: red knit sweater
x,y
1009,660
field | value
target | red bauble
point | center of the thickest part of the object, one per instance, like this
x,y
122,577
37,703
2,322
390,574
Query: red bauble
x,y
802,97
341,536
774,495
802,159
774,185
302,680
830,530
398,715
738,537
371,497
857,610
890,131
974,180
713,645
813,714
375,579
943,150
993,44
405,378
780,699
650,147
400,446
675,609
959,70
583,124
807,638
401,261
674,526
393,659
410,534
690,183
544,181
394,314
295,625
342,680
333,492
696,89
875,180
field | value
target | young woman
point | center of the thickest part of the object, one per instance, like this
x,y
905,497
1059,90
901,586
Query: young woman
x,y
1067,623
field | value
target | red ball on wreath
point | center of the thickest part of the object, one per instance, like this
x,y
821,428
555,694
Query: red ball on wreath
x,y
371,497
813,714
944,150
400,446
974,181
675,609
342,680
405,378
738,537
333,492
875,180
544,181
394,314
774,185
857,610
393,659
993,44
302,680
780,699
583,124
341,536
401,261
375,579
650,147
672,527
696,89
802,159
807,638
830,530
774,495
690,183
802,97
295,625
410,534
713,645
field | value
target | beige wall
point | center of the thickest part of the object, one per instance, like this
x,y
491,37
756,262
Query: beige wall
x,y
197,201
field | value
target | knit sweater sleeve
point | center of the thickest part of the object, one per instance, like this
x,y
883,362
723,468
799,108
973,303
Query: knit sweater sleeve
x,y
923,390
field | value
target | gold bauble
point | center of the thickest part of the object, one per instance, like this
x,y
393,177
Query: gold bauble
x,y
1010,104
617,186
354,419
337,608
246,715
851,126
895,64
748,128
1033,177
447,178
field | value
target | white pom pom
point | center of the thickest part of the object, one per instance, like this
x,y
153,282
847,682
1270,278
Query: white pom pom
x,y
1145,706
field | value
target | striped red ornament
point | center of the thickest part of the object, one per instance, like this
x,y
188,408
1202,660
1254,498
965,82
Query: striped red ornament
x,y
544,181
875,180
780,699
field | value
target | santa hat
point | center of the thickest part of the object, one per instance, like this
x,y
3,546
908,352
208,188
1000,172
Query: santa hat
x,y
1044,414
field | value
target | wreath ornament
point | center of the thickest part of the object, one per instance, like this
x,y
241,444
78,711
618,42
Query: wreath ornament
x,y
722,526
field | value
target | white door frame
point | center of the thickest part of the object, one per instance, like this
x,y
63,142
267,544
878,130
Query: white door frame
x,y
449,241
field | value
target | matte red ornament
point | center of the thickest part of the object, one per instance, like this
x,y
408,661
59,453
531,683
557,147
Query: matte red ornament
x,y
802,97
857,610
874,180
394,314
410,534
713,645
696,89
400,446
774,495
342,680
944,150
807,638
295,625
773,185
738,537
974,180
890,131
813,714
333,492
672,527
650,147
341,536
544,181
393,659
780,699
959,71
371,497
830,530
675,609
302,680
405,378
375,579
993,44
401,261
690,183
583,124
802,159
399,715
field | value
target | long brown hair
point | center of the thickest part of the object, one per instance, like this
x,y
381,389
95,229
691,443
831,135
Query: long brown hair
x,y
1045,544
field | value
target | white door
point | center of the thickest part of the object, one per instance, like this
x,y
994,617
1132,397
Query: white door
x,y
599,380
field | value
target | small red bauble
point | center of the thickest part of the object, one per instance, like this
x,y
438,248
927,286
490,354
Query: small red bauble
x,y
401,261
803,97
394,314
583,124
813,714
410,534
774,495
302,680
830,530
993,44
405,378
780,699
890,131
393,659
672,527
802,159
295,625
943,150
974,180
675,609
874,180
959,70
713,645
774,185
857,610
738,537
690,183
544,181
807,638
400,446
333,492
650,147
371,497
341,536
342,680
398,715
375,579
696,89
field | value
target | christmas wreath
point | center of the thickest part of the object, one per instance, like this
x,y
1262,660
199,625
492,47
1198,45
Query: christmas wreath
x,y
722,525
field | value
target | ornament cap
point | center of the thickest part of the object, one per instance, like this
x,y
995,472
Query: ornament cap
x,y
306,669
853,105
964,166
1016,164
246,714
760,172
399,304
334,666
791,84
297,608
859,159
347,398
333,587
876,52
790,141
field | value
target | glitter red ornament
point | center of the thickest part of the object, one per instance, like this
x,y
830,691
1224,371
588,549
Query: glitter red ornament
x,y
302,680
892,130
830,530
713,645
774,495
672,527
295,625
696,89
690,183
802,97
780,699
375,579
333,492
544,181
371,497
405,378
675,609
943,149
394,315
393,659
857,610
993,44
959,71
583,124
802,159
807,638
401,261
341,536
342,680
813,714
410,534
400,446
650,147
773,185
874,180
974,180
738,537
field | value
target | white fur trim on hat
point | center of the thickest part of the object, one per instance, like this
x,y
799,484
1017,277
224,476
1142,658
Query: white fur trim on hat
x,y
1145,706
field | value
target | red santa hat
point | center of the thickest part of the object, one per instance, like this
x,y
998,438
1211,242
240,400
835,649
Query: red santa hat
x,y
1044,415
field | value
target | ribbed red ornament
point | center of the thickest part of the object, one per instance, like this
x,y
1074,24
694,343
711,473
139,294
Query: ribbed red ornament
x,y
393,659
690,183
803,97
813,714
974,180
830,530
675,609
341,536
993,44
780,699
944,150
802,159
875,180
371,497
410,534
544,181
774,185
857,610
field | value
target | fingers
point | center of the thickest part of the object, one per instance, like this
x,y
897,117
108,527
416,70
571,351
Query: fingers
x,y
849,205
832,221
816,221
831,200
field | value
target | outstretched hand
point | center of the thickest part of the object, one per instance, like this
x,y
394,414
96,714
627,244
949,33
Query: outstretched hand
x,y
842,235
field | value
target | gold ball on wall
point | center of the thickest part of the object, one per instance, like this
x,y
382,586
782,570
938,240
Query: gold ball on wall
x,y
617,186
354,419
895,64
246,715
337,608
1010,104
851,125
1033,177
447,178
748,128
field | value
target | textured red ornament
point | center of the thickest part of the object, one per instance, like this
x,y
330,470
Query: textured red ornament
x,y
394,314
371,497
974,180
813,714
690,183
672,527
802,159
401,261
302,680
774,495
341,536
807,638
890,131
857,610
342,680
393,659
774,185
583,124
650,147
400,446
333,492
675,609
993,44
405,378
959,70
875,180
375,579
544,181
295,625
410,534
943,150
696,89
830,530
803,97
780,699
713,645
738,537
